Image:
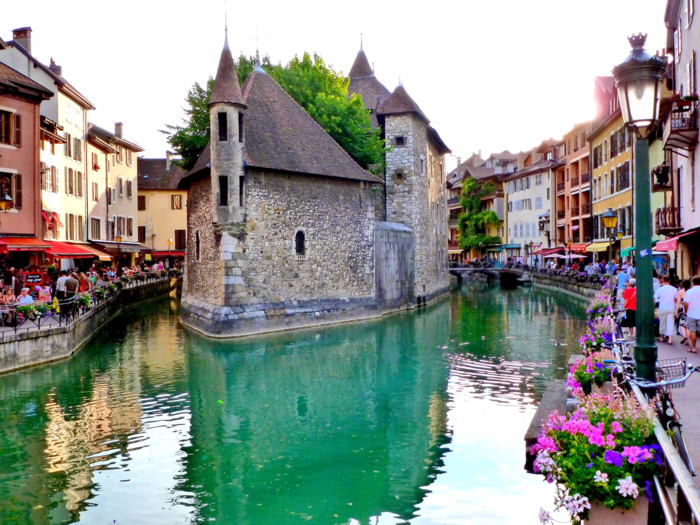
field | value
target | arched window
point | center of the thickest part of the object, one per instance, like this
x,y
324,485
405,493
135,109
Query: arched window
x,y
299,243
197,247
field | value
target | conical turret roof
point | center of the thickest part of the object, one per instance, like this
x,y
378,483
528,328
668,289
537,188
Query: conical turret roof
x,y
361,67
226,86
400,102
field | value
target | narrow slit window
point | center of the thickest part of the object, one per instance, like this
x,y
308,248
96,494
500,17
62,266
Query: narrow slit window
x,y
240,127
223,127
241,191
196,246
299,239
223,191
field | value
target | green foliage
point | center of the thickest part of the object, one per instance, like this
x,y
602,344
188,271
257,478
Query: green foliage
x,y
315,86
83,300
472,223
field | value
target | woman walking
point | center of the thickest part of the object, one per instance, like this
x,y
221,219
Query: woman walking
x,y
680,312
629,299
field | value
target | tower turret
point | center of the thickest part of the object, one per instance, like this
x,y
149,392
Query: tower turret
x,y
227,142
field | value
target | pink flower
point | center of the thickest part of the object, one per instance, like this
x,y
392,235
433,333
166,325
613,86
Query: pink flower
x,y
616,427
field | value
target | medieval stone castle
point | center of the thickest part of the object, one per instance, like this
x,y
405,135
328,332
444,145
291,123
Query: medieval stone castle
x,y
285,230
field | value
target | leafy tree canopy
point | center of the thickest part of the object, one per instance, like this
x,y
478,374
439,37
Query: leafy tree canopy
x,y
315,86
472,223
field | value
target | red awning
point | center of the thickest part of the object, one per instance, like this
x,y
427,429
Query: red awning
x,y
46,217
172,253
58,221
69,251
579,248
25,244
548,251
670,244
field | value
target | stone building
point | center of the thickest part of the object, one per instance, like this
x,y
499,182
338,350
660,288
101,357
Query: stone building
x,y
415,192
282,224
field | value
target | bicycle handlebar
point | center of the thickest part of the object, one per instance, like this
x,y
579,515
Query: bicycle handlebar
x,y
645,383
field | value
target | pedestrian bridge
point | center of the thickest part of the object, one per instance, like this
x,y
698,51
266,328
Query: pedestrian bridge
x,y
508,277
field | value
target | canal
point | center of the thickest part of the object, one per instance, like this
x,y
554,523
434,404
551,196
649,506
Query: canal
x,y
416,418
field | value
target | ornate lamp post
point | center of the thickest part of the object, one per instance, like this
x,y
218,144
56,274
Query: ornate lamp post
x,y
569,242
610,223
531,245
638,80
118,238
170,242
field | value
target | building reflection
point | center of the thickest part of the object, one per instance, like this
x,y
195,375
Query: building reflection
x,y
343,423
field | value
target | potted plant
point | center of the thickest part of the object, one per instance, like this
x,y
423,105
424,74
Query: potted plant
x,y
602,458
100,293
599,308
83,300
112,288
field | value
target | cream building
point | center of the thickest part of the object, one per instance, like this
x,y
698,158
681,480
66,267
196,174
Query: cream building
x,y
162,207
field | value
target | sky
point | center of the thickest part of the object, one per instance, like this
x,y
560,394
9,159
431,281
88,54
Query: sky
x,y
489,74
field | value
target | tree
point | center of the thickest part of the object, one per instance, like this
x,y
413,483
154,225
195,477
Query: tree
x,y
472,223
316,87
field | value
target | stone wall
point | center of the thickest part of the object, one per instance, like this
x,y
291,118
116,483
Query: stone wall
x,y
416,197
394,261
584,290
337,219
202,275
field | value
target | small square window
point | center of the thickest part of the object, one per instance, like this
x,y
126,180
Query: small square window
x,y
399,175
399,141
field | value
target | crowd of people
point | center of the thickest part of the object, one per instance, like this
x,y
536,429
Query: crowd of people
x,y
677,303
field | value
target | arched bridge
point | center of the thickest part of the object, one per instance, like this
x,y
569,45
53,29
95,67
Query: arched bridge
x,y
508,277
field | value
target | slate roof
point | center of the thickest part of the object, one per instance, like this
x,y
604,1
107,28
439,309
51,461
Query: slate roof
x,y
537,167
110,137
504,155
370,88
17,81
226,87
280,135
400,102
361,67
154,176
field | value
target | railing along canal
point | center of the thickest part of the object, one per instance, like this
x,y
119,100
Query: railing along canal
x,y
65,312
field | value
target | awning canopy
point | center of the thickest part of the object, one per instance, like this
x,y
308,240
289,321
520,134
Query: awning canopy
x,y
46,217
181,253
122,247
25,244
57,219
548,251
97,253
626,251
69,251
670,244
574,227
578,248
598,247
512,246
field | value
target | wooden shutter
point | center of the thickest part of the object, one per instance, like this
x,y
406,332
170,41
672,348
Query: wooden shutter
x,y
142,234
18,191
80,183
18,129
142,202
65,179
44,176
130,224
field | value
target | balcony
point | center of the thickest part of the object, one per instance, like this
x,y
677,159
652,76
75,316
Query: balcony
x,y
561,214
585,209
681,126
561,186
452,223
585,178
453,201
668,221
495,194
574,182
575,210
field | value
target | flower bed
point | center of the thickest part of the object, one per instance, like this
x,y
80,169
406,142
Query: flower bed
x,y
604,452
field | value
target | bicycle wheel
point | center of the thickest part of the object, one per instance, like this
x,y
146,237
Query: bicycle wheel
x,y
680,445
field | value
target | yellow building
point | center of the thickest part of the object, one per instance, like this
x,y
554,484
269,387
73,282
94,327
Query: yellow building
x,y
611,148
162,208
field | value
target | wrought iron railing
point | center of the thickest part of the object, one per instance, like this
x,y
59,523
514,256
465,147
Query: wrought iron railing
x,y
452,223
668,220
561,186
585,209
452,201
585,178
561,214
574,182
575,211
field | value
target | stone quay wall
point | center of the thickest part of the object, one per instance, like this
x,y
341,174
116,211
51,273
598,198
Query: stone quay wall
x,y
584,290
30,348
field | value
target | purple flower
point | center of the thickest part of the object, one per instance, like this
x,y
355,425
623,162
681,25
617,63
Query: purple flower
x,y
647,492
589,465
613,458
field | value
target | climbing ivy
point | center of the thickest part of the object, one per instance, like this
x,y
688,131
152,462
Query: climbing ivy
x,y
472,223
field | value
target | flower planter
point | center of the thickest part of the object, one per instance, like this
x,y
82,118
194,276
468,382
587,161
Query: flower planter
x,y
605,390
637,515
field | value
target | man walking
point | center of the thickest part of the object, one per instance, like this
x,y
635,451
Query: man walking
x,y
61,285
72,285
691,303
666,296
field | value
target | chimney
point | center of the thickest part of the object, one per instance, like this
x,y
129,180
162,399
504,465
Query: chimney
x,y
118,128
53,66
459,162
23,37
168,160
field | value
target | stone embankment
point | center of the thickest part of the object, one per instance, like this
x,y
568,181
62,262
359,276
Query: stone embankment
x,y
554,282
32,346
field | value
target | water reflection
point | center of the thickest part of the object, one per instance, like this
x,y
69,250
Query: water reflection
x,y
416,418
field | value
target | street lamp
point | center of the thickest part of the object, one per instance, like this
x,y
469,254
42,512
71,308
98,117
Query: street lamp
x,y
569,242
638,80
531,246
610,223
170,241
118,238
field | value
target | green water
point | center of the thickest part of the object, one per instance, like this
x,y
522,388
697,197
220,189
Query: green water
x,y
417,418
